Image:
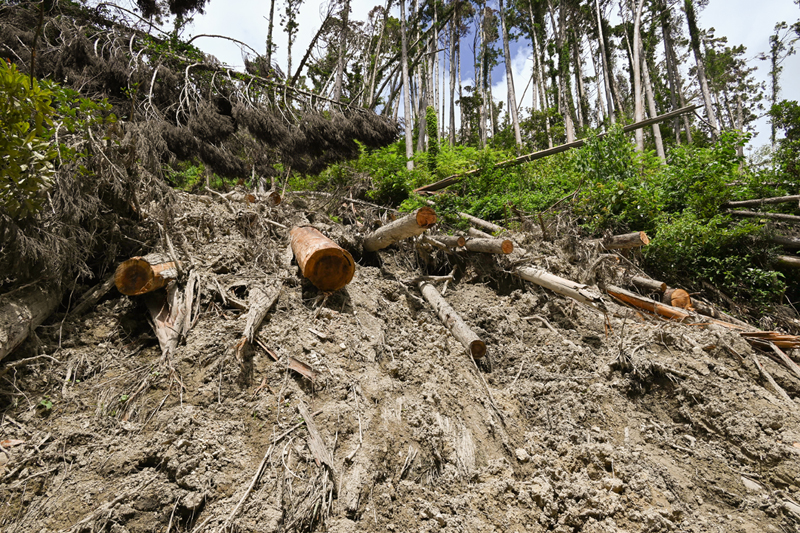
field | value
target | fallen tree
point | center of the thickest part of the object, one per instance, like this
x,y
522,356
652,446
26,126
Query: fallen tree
x,y
403,228
323,262
22,311
577,291
490,246
140,275
792,219
762,201
452,321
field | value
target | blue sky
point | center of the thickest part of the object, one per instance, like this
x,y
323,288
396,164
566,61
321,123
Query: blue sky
x,y
742,21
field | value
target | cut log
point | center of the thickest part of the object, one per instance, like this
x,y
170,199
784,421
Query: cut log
x,y
786,242
451,241
774,216
677,298
637,239
490,246
709,311
463,334
789,261
403,228
167,312
478,234
649,284
762,201
577,291
647,304
323,262
484,225
22,310
140,275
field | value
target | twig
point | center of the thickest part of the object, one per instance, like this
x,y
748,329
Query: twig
x,y
778,389
23,362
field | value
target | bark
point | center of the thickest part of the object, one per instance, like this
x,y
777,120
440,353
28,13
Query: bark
x,y
452,241
406,89
582,107
453,59
140,275
92,297
403,228
674,73
794,219
167,313
649,284
269,33
322,261
577,291
342,60
260,301
564,95
485,225
677,298
606,73
778,339
541,78
709,311
651,104
647,304
638,108
512,97
478,234
790,261
458,328
637,239
22,311
763,201
490,246
321,454
694,38
786,242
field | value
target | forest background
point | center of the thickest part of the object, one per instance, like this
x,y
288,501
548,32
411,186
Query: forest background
x,y
128,103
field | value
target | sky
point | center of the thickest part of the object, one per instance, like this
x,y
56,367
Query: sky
x,y
741,21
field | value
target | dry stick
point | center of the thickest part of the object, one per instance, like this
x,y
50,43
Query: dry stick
x,y
227,202
788,363
762,201
753,214
778,389
92,296
259,471
459,329
409,226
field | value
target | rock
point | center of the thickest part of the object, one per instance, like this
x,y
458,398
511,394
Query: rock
x,y
522,455
613,484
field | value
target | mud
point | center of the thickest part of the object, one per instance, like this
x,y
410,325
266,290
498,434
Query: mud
x,y
588,421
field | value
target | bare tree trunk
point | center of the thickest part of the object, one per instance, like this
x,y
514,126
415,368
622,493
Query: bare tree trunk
x,y
638,113
563,71
576,57
269,33
601,106
694,38
512,98
651,103
676,84
540,70
342,62
453,61
406,88
606,71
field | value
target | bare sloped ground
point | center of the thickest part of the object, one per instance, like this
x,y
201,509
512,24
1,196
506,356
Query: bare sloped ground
x,y
586,422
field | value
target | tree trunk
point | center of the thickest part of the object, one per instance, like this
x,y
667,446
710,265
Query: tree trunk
x,y
637,239
167,312
490,246
647,304
403,228
577,291
793,219
649,284
677,298
463,334
453,59
22,311
676,84
563,71
452,241
545,106
512,97
406,88
763,201
322,261
786,242
606,71
478,234
638,108
694,34
342,60
583,106
140,275
790,261
269,34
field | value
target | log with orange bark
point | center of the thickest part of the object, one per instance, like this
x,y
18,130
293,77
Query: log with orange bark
x,y
323,262
140,275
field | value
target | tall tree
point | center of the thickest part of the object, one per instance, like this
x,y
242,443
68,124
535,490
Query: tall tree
x,y
638,113
341,63
607,74
406,88
694,39
290,25
673,72
512,97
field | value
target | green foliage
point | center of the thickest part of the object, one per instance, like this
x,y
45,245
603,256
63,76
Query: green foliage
x,y
30,115
432,125
786,116
26,153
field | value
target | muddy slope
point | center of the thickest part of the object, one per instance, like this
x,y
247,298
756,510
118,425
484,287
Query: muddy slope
x,y
586,422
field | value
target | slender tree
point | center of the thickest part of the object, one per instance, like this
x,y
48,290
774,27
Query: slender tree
x,y
512,97
694,39
406,88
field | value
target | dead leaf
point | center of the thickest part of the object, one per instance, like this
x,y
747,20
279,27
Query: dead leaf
x,y
8,443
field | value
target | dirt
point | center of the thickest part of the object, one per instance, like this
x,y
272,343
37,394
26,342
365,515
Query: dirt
x,y
582,421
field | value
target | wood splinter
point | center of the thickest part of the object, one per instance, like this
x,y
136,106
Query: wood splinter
x,y
323,262
459,329
403,228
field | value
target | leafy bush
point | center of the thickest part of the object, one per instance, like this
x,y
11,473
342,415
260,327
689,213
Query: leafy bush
x,y
26,151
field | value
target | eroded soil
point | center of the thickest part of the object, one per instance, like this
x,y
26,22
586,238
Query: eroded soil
x,y
586,422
